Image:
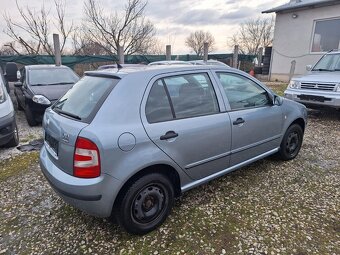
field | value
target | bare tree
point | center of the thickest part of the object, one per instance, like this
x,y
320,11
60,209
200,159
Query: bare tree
x,y
195,41
253,34
34,33
154,47
130,30
7,49
83,45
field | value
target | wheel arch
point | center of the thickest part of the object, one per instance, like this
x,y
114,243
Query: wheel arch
x,y
300,122
164,169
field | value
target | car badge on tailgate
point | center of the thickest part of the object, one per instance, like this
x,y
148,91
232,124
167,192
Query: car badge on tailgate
x,y
65,137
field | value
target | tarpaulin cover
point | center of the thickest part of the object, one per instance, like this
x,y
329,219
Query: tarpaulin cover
x,y
71,61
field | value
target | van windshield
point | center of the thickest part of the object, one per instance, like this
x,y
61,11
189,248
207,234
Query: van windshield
x,y
85,98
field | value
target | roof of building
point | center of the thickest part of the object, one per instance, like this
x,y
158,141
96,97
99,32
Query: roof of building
x,y
302,4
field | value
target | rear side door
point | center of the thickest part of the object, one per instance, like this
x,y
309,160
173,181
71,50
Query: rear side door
x,y
256,122
184,116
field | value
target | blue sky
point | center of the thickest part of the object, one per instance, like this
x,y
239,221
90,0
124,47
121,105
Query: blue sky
x,y
174,19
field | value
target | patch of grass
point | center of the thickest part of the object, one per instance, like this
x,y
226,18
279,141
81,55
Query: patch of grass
x,y
13,166
278,88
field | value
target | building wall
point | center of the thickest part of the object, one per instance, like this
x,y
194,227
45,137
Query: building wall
x,y
293,40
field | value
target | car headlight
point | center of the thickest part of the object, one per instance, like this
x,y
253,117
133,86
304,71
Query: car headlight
x,y
2,95
39,99
294,84
338,88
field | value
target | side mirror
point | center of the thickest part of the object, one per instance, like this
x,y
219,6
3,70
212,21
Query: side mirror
x,y
18,75
11,71
278,100
309,68
18,84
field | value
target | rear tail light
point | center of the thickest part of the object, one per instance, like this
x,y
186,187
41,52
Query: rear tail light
x,y
86,159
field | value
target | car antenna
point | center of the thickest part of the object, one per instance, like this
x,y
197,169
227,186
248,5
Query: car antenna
x,y
119,66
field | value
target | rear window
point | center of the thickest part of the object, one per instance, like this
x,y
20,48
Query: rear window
x,y
84,99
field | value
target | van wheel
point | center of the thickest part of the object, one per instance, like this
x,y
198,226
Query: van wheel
x,y
146,204
15,139
20,108
291,142
30,117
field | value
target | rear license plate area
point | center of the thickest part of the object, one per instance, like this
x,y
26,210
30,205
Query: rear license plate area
x,y
52,142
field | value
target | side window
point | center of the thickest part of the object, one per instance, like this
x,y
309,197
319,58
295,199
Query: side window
x,y
243,93
192,95
181,96
158,106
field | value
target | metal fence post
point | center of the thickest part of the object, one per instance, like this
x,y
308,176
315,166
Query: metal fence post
x,y
168,52
259,56
205,51
292,70
235,57
57,53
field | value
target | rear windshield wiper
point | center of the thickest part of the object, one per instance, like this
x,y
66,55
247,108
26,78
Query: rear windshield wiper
x,y
60,83
47,84
67,113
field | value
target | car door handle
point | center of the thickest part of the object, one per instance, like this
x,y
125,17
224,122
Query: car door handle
x,y
169,135
239,121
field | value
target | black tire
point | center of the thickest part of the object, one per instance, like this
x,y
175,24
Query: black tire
x,y
15,139
145,204
19,105
30,117
291,142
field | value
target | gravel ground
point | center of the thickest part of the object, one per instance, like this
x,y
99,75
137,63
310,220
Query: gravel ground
x,y
269,207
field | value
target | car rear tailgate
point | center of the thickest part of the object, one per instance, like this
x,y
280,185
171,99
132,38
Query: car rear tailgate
x,y
60,135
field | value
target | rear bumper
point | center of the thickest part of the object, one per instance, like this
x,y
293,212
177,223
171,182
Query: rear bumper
x,y
314,98
93,196
7,127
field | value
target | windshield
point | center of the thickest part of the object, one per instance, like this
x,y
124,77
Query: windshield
x,y
85,97
330,62
51,76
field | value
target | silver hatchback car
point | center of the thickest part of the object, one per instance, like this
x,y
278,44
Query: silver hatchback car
x,y
127,142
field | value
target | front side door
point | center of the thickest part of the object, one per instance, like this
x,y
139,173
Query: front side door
x,y
256,122
185,117
20,91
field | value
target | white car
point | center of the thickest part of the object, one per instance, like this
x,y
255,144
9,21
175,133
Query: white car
x,y
8,127
321,86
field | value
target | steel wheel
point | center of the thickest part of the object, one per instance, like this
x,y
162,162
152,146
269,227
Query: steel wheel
x,y
145,204
291,142
148,203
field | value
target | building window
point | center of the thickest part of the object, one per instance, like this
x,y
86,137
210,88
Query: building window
x,y
326,35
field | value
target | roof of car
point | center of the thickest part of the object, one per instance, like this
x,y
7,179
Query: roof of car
x,y
32,67
169,62
155,69
208,62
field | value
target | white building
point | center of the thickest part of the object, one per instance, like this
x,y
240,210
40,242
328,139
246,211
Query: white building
x,y
304,31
